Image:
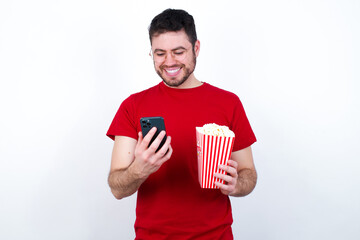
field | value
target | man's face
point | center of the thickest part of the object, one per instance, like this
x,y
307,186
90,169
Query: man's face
x,y
174,57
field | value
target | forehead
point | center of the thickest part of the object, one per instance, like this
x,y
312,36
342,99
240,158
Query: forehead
x,y
170,40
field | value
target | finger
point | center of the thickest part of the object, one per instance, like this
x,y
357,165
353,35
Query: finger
x,y
228,179
139,141
160,157
156,143
140,137
220,185
225,189
146,140
233,163
229,169
225,186
170,151
167,155
165,148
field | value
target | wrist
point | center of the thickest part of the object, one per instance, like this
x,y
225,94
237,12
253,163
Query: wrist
x,y
135,172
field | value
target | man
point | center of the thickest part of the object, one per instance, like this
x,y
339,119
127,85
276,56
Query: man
x,y
170,202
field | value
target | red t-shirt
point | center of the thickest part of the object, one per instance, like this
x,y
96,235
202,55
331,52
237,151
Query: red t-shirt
x,y
170,203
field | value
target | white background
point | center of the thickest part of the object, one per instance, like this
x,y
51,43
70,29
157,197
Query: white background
x,y
65,67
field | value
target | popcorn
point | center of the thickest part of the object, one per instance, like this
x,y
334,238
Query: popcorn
x,y
216,130
214,147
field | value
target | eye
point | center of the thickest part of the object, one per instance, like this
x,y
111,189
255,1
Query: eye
x,y
159,54
179,53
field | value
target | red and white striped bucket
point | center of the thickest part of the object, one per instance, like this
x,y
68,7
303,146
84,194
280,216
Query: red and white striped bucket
x,y
212,151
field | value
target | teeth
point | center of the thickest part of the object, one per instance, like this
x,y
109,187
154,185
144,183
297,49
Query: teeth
x,y
172,71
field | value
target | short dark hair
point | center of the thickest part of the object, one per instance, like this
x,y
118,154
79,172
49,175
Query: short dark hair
x,y
172,20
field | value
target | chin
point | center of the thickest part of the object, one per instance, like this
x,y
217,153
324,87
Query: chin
x,y
174,83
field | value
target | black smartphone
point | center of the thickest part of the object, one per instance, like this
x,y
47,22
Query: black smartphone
x,y
148,123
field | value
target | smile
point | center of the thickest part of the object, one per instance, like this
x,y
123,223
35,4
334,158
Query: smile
x,y
172,71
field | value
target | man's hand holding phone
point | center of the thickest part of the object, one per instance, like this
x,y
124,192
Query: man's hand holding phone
x,y
148,158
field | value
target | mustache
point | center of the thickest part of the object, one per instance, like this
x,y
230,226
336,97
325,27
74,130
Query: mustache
x,y
172,66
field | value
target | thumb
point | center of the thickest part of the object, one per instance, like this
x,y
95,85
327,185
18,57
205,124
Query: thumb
x,y
140,137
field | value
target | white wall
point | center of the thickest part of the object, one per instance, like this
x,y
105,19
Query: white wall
x,y
65,67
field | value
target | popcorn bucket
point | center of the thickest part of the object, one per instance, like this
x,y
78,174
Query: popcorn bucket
x,y
212,151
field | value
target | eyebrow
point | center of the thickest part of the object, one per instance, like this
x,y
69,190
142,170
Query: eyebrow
x,y
174,49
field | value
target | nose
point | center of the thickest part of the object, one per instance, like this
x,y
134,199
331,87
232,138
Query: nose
x,y
169,59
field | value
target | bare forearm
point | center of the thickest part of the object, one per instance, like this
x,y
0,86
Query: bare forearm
x,y
124,183
246,182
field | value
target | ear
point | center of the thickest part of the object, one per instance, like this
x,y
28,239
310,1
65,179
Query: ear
x,y
197,48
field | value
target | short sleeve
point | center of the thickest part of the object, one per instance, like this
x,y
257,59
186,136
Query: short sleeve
x,y
123,123
244,135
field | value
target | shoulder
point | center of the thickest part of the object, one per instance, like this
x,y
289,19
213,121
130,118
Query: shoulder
x,y
219,92
144,93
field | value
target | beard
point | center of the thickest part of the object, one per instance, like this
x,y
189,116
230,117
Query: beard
x,y
187,72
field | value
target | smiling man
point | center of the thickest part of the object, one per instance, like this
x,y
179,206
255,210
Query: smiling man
x,y
175,58
170,202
